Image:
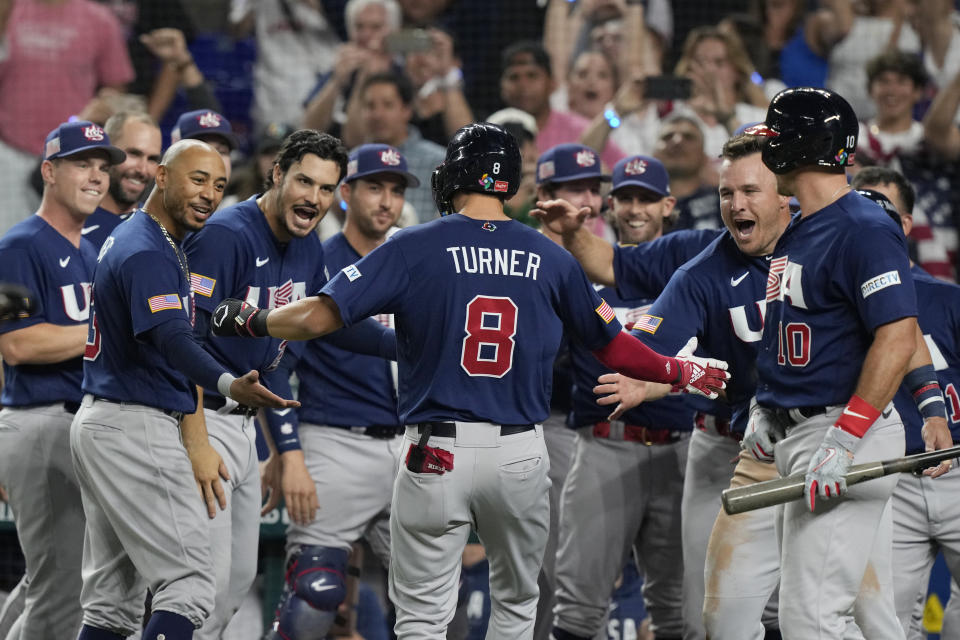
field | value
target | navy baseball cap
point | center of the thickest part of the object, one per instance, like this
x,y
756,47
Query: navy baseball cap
x,y
80,135
567,162
204,122
370,159
641,171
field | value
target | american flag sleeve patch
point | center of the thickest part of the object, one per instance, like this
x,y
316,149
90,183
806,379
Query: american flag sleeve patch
x,y
605,311
163,302
648,323
202,284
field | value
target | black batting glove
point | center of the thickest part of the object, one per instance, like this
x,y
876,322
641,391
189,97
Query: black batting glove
x,y
234,317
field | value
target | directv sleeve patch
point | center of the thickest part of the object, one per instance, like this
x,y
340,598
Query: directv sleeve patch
x,y
648,323
879,282
351,272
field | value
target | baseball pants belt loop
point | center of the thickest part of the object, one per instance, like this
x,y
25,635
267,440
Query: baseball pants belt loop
x,y
216,403
176,415
449,429
712,424
618,430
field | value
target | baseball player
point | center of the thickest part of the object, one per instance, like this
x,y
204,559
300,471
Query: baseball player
x,y
42,367
210,127
263,249
574,173
480,302
626,480
139,415
138,135
840,329
348,419
920,527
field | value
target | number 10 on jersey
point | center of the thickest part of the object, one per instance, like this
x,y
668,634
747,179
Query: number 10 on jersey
x,y
488,344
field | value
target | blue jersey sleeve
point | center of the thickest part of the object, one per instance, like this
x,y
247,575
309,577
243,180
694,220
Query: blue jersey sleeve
x,y
678,314
642,271
584,312
17,266
154,292
376,284
879,278
218,262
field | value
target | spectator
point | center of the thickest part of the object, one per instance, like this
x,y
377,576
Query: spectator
x,y
774,34
210,127
296,43
849,34
523,127
526,84
169,46
54,56
440,108
896,82
724,94
680,148
937,23
386,110
941,131
333,103
248,180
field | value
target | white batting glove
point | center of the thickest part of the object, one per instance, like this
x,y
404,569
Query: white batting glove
x,y
703,376
829,465
762,433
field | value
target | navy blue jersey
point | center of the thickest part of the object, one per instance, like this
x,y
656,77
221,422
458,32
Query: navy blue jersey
x,y
642,270
101,224
480,307
59,275
719,292
672,412
236,255
339,387
939,305
835,276
138,285
699,210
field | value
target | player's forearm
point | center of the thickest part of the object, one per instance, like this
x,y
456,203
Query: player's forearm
x,y
193,427
593,253
627,355
305,319
43,343
887,359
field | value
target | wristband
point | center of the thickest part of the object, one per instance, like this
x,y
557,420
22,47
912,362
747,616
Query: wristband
x,y
925,389
612,118
857,416
223,384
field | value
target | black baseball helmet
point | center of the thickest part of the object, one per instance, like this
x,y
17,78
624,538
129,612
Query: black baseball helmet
x,y
808,127
482,158
884,203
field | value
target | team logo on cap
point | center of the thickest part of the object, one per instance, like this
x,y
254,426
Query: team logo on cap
x,y
546,170
586,158
93,133
390,157
635,167
209,120
486,182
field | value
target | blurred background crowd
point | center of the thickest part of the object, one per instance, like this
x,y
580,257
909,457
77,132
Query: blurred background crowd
x,y
668,78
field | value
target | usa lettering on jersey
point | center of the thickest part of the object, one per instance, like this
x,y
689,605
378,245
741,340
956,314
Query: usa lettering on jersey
x,y
495,262
70,305
785,280
277,296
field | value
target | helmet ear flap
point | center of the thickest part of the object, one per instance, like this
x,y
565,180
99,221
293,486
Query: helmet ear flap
x,y
438,185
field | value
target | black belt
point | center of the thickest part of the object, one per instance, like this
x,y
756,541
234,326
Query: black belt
x,y
216,403
71,407
796,415
378,431
449,429
176,415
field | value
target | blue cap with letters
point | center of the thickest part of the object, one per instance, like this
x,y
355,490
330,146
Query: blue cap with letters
x,y
370,159
642,171
80,135
201,123
568,162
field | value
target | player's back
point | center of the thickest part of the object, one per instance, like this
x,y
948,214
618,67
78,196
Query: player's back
x,y
480,308
135,264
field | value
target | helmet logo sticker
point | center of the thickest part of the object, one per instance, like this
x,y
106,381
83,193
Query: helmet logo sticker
x,y
486,182
501,186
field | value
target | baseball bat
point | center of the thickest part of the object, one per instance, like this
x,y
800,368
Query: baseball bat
x,y
781,490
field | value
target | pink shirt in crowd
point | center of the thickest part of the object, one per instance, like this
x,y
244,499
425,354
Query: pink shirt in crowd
x,y
58,56
563,127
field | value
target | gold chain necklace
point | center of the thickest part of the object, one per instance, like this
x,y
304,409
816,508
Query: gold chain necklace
x,y
181,260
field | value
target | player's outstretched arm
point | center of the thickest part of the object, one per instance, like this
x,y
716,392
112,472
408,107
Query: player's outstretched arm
x,y
594,254
247,390
686,372
626,393
302,320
